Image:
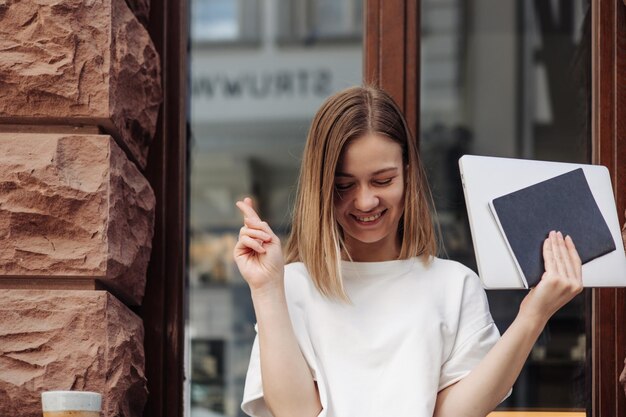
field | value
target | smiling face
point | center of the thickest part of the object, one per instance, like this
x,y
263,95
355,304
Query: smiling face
x,y
369,197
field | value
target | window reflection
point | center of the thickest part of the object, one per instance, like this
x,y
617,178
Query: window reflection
x,y
506,78
310,21
509,78
251,106
224,21
337,18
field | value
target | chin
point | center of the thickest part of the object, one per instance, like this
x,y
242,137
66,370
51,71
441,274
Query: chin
x,y
367,238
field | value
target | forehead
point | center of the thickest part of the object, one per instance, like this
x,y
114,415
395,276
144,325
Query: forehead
x,y
369,153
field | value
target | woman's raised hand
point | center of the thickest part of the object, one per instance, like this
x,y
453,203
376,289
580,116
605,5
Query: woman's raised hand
x,y
258,253
561,281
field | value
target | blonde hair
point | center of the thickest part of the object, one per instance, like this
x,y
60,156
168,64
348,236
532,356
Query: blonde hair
x,y
316,238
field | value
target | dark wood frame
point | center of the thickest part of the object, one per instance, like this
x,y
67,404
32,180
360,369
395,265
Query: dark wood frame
x,y
609,149
163,308
392,51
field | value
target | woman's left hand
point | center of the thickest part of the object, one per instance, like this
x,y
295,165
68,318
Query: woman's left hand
x,y
561,281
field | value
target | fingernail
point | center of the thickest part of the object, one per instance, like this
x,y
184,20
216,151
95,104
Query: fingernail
x,y
559,234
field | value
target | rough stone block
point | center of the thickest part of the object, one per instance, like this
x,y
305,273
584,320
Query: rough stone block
x,y
69,340
80,62
74,206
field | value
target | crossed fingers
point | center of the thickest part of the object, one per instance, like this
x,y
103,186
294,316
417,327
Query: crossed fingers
x,y
254,231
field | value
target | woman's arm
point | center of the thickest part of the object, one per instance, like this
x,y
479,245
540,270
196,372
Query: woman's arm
x,y
288,385
486,385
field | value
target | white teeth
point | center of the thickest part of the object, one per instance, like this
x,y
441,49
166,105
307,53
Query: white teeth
x,y
369,218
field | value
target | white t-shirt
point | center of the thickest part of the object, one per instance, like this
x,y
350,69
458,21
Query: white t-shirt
x,y
411,330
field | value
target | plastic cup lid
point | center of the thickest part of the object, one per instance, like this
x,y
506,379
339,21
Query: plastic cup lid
x,y
71,400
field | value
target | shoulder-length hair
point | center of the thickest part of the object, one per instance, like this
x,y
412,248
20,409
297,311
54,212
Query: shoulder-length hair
x,y
316,238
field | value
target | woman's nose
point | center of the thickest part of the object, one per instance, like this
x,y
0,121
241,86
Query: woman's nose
x,y
365,199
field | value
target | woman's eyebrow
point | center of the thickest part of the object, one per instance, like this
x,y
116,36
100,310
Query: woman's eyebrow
x,y
380,171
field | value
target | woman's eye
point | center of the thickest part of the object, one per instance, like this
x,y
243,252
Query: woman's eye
x,y
383,182
342,187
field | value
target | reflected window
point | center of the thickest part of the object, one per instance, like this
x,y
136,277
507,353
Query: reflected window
x,y
510,78
215,21
310,21
250,114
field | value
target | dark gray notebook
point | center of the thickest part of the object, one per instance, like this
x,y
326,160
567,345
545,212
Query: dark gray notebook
x,y
563,203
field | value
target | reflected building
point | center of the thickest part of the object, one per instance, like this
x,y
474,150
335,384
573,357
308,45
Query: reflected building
x,y
510,79
259,71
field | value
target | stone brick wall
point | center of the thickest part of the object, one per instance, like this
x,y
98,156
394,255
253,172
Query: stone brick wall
x,y
80,63
80,91
74,340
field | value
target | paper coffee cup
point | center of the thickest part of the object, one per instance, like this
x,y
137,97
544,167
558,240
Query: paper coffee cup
x,y
71,404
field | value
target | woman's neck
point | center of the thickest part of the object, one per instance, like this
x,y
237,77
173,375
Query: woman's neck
x,y
380,251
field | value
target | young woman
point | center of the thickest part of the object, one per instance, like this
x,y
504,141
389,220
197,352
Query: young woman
x,y
365,320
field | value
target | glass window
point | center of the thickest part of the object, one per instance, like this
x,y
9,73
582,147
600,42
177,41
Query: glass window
x,y
310,21
224,21
510,78
250,113
337,18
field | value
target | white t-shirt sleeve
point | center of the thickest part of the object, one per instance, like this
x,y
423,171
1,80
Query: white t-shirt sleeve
x,y
253,402
476,333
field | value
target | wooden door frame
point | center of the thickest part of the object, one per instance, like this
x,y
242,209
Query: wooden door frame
x,y
392,51
609,149
392,48
163,308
